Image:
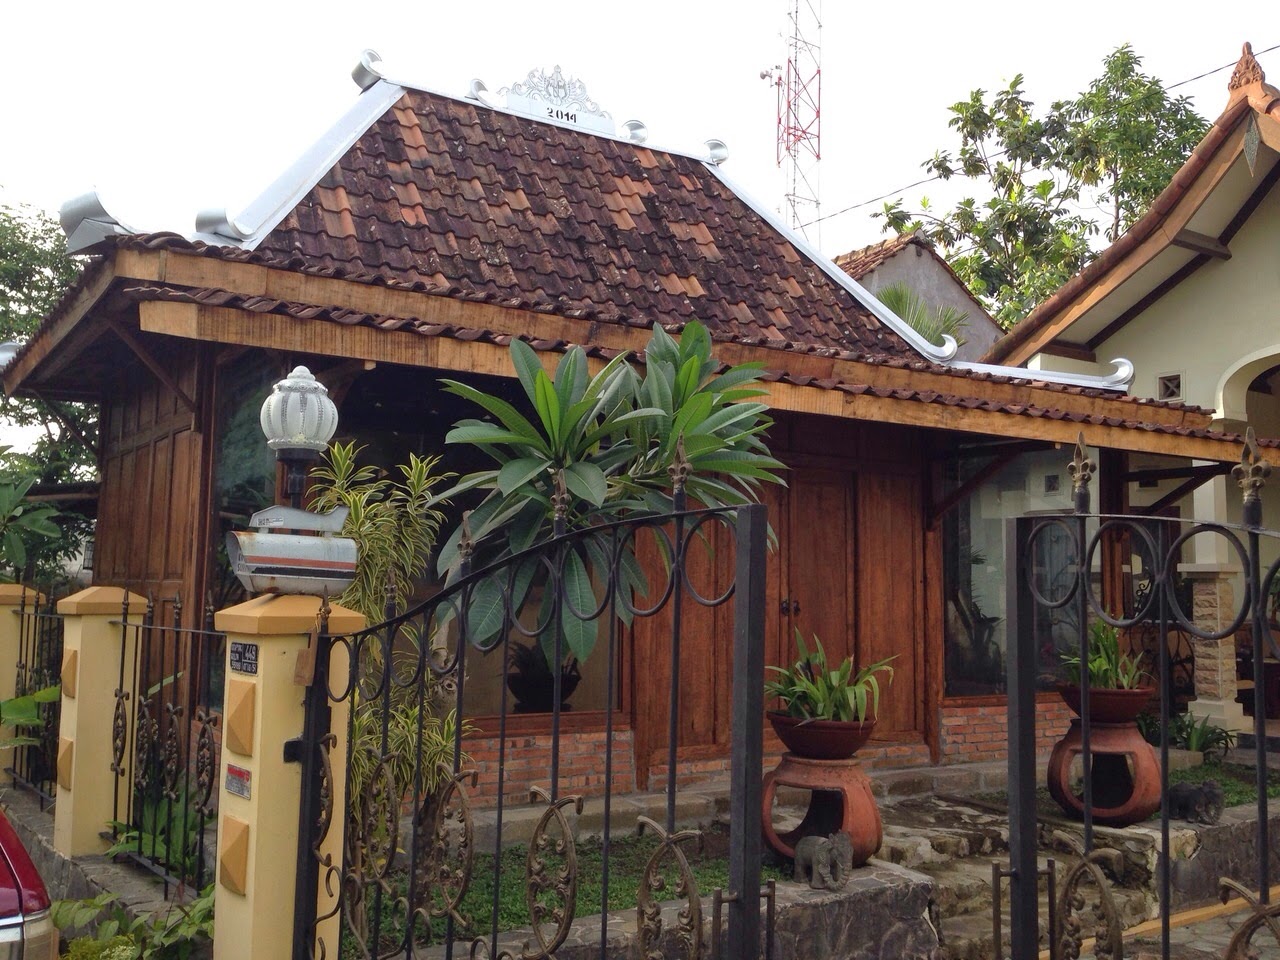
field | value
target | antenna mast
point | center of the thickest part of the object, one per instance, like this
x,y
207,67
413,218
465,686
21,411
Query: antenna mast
x,y
799,90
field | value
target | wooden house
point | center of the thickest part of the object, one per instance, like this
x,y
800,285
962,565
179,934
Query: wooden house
x,y
426,230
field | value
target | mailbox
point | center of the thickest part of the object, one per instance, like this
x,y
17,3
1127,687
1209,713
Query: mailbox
x,y
313,563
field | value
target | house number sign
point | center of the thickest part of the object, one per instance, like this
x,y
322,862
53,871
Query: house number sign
x,y
244,657
239,781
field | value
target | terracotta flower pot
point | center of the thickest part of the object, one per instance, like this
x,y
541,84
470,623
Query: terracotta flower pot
x,y
1108,706
821,739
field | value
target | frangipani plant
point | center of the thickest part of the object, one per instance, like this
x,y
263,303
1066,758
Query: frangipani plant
x,y
593,449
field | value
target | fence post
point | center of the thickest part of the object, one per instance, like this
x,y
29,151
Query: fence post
x,y
91,652
260,791
14,597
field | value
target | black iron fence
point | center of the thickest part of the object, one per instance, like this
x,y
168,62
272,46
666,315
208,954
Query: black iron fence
x,y
39,668
1110,765
411,870
166,743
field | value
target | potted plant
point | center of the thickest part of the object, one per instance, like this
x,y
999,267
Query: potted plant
x,y
531,682
1119,688
828,713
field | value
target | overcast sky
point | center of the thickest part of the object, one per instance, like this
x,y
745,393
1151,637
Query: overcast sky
x,y
169,107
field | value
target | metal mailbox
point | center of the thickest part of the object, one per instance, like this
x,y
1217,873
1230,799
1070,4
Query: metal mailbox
x,y
267,562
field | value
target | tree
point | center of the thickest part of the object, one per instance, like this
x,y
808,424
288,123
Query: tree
x,y
35,271
1118,143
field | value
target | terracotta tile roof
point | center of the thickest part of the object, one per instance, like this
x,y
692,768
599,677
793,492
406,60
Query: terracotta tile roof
x,y
1249,92
858,263
966,380
486,202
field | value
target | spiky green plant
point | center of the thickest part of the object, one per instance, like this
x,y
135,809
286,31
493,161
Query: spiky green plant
x,y
914,310
811,690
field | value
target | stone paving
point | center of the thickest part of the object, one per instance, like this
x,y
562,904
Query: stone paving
x,y
1206,940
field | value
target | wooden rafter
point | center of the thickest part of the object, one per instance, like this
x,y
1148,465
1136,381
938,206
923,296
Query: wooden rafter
x,y
1176,494
1070,351
985,473
151,363
1202,243
1203,472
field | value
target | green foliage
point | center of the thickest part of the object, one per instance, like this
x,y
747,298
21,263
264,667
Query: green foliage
x,y
1118,143
603,446
35,271
26,527
166,830
811,690
912,308
24,713
1185,733
393,522
173,934
1109,669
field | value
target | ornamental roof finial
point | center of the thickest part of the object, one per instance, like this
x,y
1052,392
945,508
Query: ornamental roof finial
x,y
1247,71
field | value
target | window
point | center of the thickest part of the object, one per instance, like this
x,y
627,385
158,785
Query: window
x,y
1169,386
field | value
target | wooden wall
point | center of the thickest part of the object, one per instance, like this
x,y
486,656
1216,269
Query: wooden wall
x,y
152,515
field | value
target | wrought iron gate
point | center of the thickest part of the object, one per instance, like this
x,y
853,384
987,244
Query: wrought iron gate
x,y
410,840
1068,591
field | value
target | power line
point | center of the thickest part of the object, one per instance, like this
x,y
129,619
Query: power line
x,y
937,176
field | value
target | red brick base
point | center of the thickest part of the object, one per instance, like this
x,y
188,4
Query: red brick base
x,y
981,732
528,763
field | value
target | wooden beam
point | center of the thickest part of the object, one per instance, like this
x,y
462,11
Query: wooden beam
x,y
1174,495
1070,351
270,331
17,372
150,362
1177,473
988,470
332,339
1202,243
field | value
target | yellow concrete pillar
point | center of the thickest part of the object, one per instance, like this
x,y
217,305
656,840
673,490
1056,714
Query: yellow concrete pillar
x,y
260,792
14,597
92,645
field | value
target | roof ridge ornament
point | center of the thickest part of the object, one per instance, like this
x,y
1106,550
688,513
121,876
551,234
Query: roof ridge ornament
x,y
368,71
1248,70
555,96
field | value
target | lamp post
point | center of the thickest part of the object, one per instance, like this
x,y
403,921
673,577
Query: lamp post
x,y
298,419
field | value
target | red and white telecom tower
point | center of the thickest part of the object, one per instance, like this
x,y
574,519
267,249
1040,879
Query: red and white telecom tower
x,y
799,89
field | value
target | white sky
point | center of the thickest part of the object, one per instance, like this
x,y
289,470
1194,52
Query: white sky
x,y
169,107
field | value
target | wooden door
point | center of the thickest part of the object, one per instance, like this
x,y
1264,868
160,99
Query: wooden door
x,y
889,573
818,537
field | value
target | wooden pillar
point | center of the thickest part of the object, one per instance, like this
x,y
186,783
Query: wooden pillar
x,y
93,643
261,792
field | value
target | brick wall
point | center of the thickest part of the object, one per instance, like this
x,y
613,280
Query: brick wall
x,y
528,763
972,733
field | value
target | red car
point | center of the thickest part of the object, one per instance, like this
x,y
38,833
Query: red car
x,y
26,932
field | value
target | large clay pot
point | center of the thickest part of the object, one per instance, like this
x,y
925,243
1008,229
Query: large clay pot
x,y
821,739
1108,706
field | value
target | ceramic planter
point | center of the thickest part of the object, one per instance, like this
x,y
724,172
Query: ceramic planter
x,y
821,739
1106,705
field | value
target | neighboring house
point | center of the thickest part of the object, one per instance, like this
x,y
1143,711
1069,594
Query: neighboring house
x,y
421,234
912,261
1190,294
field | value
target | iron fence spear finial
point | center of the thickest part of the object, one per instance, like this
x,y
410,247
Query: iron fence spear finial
x,y
560,504
1081,469
679,472
1251,474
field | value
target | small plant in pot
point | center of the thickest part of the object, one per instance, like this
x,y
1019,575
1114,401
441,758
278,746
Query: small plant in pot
x,y
1119,687
828,713
531,682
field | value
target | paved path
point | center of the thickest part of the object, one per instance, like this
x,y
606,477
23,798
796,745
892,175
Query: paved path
x,y
1206,940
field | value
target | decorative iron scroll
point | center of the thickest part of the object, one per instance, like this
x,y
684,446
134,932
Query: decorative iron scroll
x,y
688,932
446,831
1264,915
1102,921
330,873
541,876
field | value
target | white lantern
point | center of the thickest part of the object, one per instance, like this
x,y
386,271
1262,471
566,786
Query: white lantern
x,y
298,416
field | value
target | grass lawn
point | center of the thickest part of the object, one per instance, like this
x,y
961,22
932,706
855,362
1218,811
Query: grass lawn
x,y
627,858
